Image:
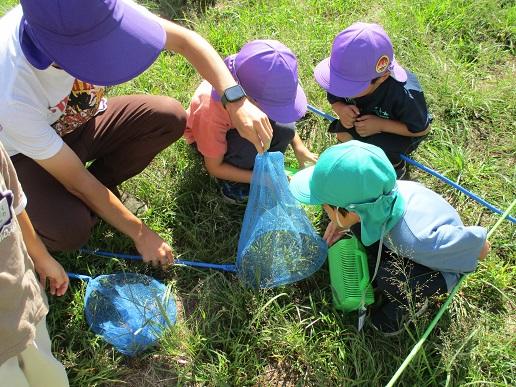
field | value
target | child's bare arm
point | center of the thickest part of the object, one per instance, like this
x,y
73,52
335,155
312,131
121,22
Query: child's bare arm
x,y
46,266
370,124
303,154
218,168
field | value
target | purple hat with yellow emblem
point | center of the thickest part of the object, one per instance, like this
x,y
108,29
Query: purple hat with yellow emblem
x,y
359,54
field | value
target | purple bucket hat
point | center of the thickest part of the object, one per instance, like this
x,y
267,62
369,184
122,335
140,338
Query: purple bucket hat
x,y
104,42
360,53
267,71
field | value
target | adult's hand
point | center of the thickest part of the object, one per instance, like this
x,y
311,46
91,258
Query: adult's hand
x,y
251,123
153,248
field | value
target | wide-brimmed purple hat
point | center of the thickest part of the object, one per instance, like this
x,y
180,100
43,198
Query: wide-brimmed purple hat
x,y
359,54
104,42
267,71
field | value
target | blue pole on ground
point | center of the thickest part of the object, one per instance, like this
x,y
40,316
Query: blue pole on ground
x,y
204,265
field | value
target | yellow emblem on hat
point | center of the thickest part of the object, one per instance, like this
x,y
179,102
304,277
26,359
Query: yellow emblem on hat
x,y
382,64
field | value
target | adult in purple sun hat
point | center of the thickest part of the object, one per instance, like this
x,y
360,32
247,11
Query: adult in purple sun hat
x,y
377,101
55,58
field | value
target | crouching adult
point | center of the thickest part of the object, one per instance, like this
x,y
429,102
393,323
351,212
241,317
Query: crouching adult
x,y
55,119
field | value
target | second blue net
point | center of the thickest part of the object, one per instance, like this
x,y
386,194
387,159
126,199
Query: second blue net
x,y
129,310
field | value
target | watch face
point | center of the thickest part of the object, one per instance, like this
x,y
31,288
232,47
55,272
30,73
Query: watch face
x,y
234,93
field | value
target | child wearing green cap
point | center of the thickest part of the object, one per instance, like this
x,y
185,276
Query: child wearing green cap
x,y
412,227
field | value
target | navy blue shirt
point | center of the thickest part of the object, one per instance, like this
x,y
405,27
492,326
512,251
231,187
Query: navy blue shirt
x,y
399,101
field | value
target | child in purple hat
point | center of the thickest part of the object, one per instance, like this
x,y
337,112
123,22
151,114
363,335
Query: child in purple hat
x,y
267,71
72,147
377,101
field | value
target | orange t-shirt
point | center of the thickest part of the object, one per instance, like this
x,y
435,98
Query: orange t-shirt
x,y
207,123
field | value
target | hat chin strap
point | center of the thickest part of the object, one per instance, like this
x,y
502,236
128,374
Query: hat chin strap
x,y
337,218
379,254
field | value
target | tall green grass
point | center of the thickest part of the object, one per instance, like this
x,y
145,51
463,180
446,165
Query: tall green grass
x,y
463,53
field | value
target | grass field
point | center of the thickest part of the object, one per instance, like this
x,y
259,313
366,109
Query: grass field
x,y
464,54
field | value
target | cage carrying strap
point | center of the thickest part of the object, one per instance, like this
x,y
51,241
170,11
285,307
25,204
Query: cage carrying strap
x,y
362,309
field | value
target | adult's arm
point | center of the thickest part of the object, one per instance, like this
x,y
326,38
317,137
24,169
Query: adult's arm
x,y
68,169
251,123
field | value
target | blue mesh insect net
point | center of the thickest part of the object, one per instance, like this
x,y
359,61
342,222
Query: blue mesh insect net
x,y
129,310
278,244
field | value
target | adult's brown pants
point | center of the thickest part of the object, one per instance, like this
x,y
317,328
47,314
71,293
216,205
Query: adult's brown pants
x,y
120,142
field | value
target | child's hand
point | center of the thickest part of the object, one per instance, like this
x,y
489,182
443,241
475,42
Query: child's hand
x,y
333,233
49,268
368,125
305,157
347,113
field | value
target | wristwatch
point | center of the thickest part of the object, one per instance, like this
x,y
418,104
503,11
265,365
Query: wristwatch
x,y
232,94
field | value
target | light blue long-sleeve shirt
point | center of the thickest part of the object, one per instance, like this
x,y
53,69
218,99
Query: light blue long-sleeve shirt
x,y
432,234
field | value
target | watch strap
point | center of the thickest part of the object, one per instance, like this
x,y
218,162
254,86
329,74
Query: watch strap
x,y
232,94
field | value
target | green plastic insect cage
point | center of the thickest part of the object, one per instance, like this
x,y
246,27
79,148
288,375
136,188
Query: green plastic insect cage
x,y
349,274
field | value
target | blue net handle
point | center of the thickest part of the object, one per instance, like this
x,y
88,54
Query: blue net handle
x,y
473,196
205,265
81,277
